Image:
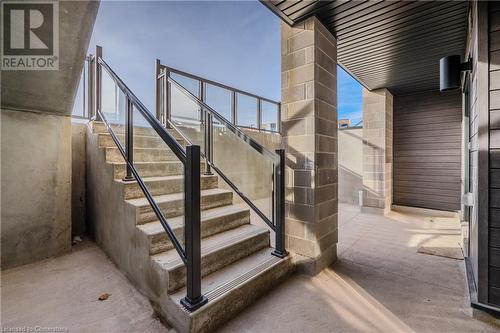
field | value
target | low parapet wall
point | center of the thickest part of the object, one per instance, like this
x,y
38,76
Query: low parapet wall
x,y
350,159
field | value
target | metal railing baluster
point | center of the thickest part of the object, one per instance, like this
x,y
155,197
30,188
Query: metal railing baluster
x,y
279,198
191,254
97,83
158,89
234,113
259,114
168,99
129,138
192,230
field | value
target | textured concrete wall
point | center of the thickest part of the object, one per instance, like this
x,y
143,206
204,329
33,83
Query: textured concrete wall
x,y
78,167
36,186
377,150
247,169
350,151
309,115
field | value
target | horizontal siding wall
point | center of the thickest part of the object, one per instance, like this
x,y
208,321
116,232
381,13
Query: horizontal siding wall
x,y
494,183
428,150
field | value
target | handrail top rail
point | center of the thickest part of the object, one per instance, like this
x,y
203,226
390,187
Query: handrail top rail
x,y
217,84
155,124
246,138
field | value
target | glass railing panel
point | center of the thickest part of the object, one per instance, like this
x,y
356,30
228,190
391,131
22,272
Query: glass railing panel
x,y
269,116
113,106
219,99
248,169
186,116
192,85
247,109
163,175
79,106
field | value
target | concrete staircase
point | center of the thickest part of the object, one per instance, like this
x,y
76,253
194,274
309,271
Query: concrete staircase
x,y
237,265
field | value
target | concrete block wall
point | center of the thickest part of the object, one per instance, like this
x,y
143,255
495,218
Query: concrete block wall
x,y
309,116
377,150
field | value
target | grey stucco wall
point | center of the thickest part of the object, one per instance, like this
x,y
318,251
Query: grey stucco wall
x,y
78,178
36,186
350,150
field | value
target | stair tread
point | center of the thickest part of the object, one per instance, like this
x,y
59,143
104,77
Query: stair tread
x,y
228,278
145,148
170,259
145,162
141,135
140,202
160,178
154,228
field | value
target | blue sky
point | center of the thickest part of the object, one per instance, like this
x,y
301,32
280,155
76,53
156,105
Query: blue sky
x,y
232,42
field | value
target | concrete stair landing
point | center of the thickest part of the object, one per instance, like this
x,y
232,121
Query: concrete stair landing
x,y
237,264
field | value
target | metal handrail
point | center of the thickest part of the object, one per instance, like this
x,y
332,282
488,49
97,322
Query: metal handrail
x,y
163,71
191,253
157,126
229,182
254,144
164,84
146,192
217,84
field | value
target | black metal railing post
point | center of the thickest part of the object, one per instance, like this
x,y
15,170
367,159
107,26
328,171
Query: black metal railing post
x,y
129,138
97,83
91,88
279,192
206,118
259,114
192,229
167,99
278,125
234,113
208,142
158,94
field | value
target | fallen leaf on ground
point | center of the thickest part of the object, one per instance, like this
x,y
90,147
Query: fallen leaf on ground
x,y
104,297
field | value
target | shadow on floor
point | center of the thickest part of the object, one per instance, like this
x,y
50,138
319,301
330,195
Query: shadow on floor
x,y
379,283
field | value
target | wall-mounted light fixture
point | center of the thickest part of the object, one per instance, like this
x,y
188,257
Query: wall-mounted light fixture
x,y
450,68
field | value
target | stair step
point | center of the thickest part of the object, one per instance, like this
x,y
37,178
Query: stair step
x,y
172,205
217,251
140,141
231,289
213,221
98,127
164,185
153,169
142,155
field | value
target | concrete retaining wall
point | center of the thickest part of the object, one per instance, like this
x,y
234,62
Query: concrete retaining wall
x,y
78,178
350,150
247,169
36,186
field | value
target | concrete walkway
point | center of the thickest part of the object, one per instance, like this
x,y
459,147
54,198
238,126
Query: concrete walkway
x,y
62,293
379,284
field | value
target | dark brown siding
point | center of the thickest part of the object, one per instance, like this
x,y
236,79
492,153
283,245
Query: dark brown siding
x,y
427,150
494,183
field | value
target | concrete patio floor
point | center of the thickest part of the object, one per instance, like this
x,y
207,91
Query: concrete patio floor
x,y
379,284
